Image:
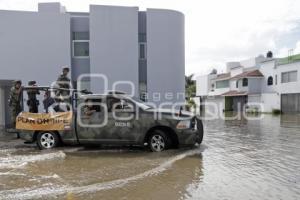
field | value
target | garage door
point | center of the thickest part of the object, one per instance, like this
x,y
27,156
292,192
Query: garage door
x,y
290,103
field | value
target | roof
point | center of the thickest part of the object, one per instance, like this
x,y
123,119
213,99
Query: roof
x,y
234,93
222,76
253,73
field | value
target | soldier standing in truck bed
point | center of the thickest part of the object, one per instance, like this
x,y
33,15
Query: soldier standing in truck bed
x,y
32,101
64,83
15,101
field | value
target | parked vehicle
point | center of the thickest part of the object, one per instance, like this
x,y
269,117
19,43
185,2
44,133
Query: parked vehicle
x,y
111,119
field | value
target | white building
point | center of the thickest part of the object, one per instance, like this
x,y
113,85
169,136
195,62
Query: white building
x,y
260,83
145,48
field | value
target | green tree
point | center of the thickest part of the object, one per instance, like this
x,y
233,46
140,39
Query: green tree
x,y
190,91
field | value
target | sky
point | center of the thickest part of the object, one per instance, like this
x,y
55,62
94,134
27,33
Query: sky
x,y
216,31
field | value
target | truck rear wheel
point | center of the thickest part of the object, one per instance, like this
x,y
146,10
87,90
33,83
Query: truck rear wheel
x,y
47,140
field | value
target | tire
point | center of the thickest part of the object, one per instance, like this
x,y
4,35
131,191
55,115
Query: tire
x,y
47,140
200,130
158,141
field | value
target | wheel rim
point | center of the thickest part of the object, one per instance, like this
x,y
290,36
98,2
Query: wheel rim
x,y
47,140
157,143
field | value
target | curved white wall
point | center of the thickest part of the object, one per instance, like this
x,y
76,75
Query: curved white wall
x,y
165,54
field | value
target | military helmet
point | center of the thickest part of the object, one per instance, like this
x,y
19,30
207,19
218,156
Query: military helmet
x,y
17,82
31,82
66,68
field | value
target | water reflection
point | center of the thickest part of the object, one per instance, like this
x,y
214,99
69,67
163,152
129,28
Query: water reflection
x,y
288,120
250,159
239,159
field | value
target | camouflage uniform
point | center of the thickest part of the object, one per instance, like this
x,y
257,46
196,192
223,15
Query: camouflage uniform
x,y
32,102
15,104
64,83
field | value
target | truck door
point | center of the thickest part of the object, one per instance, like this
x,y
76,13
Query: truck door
x,y
121,119
91,123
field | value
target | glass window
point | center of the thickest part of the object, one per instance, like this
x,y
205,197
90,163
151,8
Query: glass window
x,y
289,77
222,84
237,84
80,49
270,80
81,35
115,104
142,37
245,82
142,51
276,79
293,76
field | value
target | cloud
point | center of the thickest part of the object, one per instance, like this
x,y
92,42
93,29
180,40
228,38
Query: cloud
x,y
216,31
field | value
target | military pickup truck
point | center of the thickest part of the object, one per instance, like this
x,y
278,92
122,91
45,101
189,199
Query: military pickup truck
x,y
111,119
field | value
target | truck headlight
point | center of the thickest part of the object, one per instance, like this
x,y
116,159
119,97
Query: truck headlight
x,y
184,124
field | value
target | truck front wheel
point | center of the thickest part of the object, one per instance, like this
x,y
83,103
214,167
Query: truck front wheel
x,y
47,140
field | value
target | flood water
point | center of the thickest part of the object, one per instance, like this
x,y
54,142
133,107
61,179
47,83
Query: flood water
x,y
238,159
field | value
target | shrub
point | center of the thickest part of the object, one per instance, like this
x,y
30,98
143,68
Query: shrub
x,y
276,112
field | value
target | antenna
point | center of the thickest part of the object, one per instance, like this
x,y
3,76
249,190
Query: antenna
x,y
290,54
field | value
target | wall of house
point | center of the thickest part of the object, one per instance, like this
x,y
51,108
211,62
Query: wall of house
x,y
114,47
214,105
291,87
270,101
254,99
219,91
34,46
232,84
165,54
202,85
254,85
264,102
241,88
268,69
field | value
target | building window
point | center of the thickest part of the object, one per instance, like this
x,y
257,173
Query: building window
x,y
276,79
142,37
245,82
270,80
81,36
142,51
81,45
237,84
287,77
222,84
81,49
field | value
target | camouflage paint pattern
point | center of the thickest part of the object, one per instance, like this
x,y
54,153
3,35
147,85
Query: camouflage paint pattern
x,y
126,132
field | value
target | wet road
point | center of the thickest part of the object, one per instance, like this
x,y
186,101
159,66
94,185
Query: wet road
x,y
238,159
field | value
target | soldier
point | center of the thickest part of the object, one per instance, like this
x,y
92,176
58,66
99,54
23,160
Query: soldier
x,y
32,101
63,82
15,101
89,109
48,101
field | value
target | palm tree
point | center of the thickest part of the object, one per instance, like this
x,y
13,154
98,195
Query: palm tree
x,y
190,91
